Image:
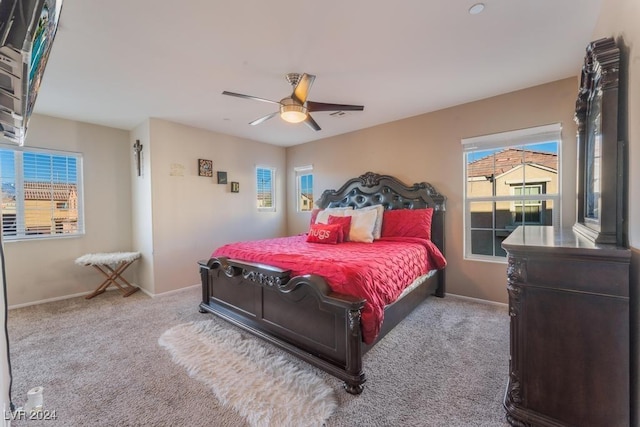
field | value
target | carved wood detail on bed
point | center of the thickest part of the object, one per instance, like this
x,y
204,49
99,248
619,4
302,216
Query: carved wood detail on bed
x,y
302,314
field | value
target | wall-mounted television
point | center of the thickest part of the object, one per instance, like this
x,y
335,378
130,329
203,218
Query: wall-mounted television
x,y
27,30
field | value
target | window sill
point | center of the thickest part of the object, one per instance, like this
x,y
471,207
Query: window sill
x,y
495,260
42,239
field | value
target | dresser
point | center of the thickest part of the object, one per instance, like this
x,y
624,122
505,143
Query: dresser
x,y
569,330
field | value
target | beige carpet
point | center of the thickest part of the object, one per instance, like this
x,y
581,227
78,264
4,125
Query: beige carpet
x,y
265,388
100,364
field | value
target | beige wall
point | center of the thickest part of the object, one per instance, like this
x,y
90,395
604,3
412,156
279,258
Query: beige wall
x,y
192,215
619,19
172,220
428,148
43,269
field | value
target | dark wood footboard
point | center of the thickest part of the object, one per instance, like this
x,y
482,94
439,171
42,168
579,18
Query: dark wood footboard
x,y
301,314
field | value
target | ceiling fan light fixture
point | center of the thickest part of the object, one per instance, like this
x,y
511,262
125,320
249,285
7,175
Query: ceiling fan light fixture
x,y
295,108
293,113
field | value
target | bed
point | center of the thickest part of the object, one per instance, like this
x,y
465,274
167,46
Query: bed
x,y
299,312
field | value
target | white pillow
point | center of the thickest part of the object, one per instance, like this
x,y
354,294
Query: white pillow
x,y
377,229
362,224
323,215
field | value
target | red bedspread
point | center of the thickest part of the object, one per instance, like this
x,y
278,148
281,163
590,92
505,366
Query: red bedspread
x,y
377,272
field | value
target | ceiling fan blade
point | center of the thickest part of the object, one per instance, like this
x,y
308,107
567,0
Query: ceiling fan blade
x,y
322,106
301,90
239,95
311,123
263,119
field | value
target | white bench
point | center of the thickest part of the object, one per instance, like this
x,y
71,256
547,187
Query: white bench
x,y
111,265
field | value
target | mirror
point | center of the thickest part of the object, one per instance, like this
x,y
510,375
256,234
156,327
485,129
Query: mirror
x,y
592,158
600,154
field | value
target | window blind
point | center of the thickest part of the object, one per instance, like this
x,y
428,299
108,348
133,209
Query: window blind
x,y
41,193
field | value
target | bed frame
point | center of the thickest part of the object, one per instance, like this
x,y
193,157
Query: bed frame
x,y
301,314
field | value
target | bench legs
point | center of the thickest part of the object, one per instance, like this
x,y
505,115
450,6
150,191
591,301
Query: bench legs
x,y
113,276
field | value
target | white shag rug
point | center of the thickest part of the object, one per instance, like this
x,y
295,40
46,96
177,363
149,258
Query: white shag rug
x,y
266,389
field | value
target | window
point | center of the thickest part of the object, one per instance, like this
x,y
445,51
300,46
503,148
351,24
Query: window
x,y
511,179
304,188
41,193
265,185
528,211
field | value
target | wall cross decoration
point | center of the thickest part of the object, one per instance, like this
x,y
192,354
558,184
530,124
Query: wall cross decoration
x,y
137,152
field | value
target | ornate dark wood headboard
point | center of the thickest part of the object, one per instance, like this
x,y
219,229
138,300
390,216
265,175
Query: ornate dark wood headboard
x,y
374,189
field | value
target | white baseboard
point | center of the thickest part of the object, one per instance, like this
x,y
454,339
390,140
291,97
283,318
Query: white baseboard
x,y
478,300
43,301
175,291
80,294
110,288
113,288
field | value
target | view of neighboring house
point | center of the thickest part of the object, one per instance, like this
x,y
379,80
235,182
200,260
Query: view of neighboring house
x,y
41,199
306,201
511,178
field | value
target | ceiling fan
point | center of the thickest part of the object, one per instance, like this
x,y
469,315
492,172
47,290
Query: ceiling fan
x,y
296,108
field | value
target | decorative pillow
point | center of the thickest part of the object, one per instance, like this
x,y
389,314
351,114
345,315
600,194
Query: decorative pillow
x,y
362,224
345,223
377,229
407,223
323,215
324,233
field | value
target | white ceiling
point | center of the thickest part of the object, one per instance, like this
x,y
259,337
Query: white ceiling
x,y
119,62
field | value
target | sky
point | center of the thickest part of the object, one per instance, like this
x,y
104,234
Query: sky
x,y
306,184
548,147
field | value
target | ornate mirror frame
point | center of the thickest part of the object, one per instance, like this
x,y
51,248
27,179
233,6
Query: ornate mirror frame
x,y
600,153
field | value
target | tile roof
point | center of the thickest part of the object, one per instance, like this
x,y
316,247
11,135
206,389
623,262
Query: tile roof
x,y
508,159
43,191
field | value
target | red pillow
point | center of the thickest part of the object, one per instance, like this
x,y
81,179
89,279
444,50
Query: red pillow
x,y
324,233
345,223
407,223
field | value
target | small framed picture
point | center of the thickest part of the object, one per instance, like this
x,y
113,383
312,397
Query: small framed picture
x,y
235,187
222,177
205,167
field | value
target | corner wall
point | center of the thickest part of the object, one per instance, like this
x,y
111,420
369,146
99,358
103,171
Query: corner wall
x,y
190,215
38,270
141,215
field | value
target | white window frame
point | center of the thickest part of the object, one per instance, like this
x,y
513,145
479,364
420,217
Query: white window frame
x,y
533,135
300,172
525,202
271,190
21,232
